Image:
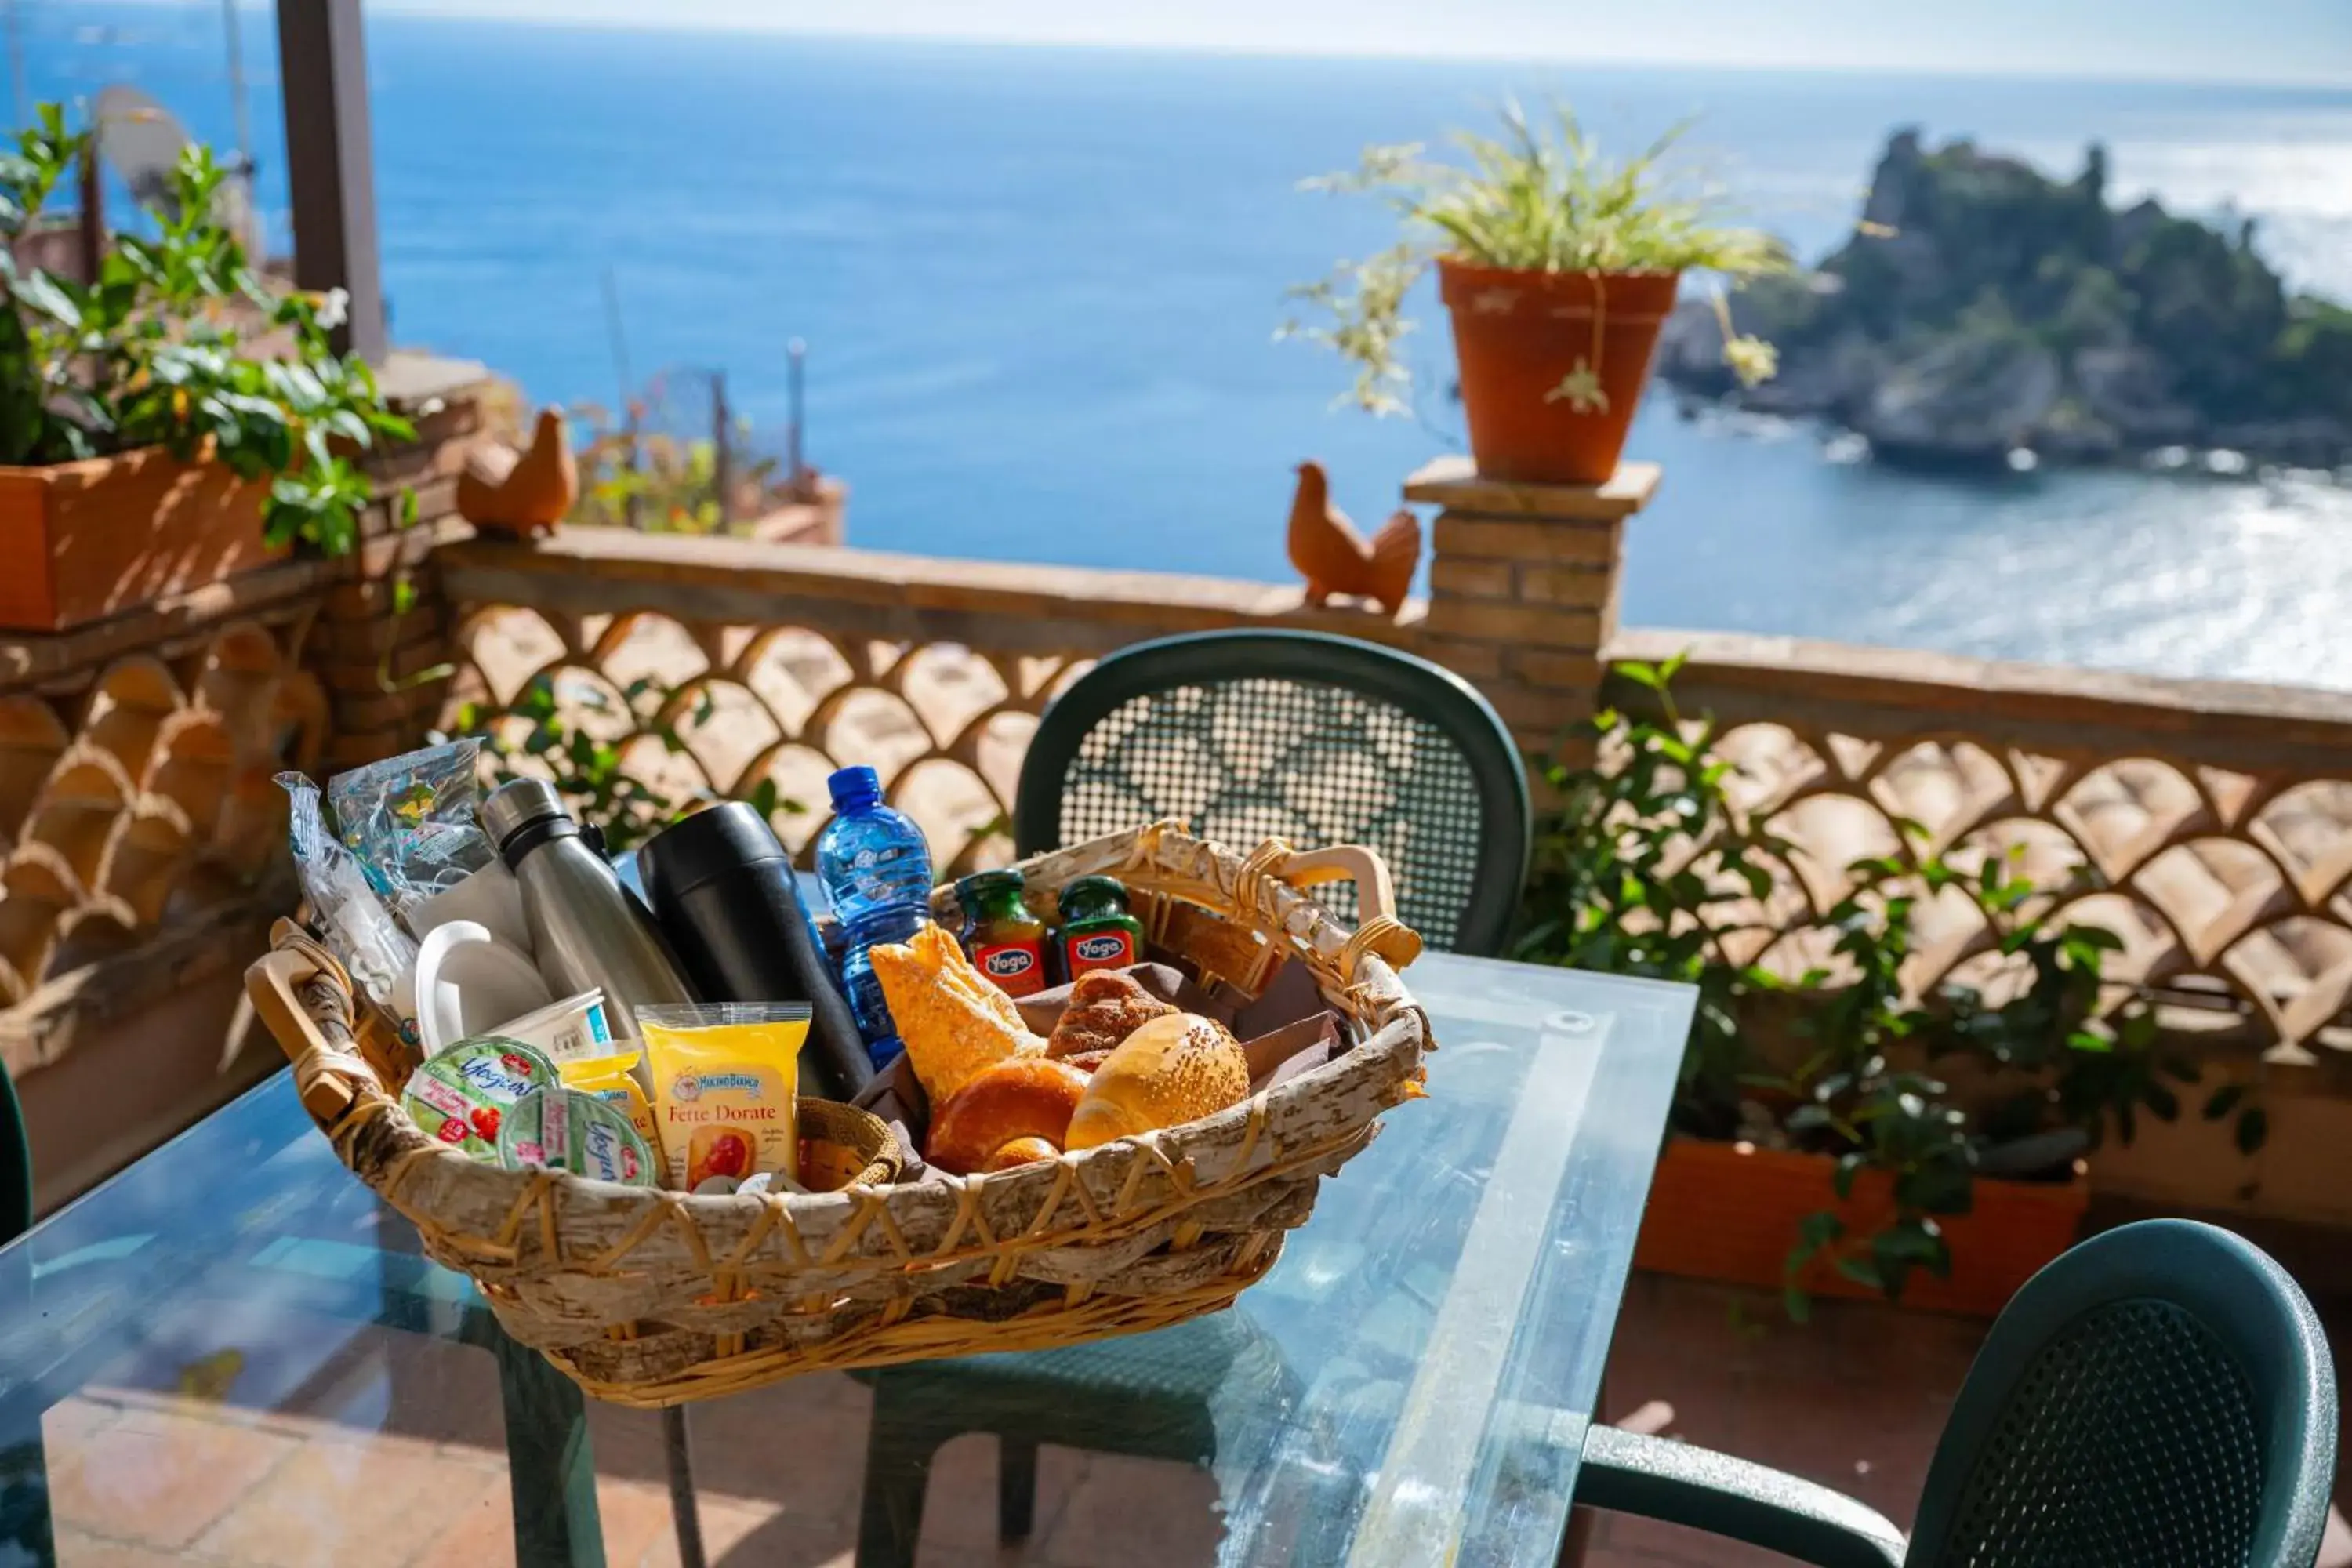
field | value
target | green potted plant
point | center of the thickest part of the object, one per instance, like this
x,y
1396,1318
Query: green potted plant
x,y
1817,1142
171,421
1558,267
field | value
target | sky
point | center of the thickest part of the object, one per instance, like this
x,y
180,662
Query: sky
x,y
2299,41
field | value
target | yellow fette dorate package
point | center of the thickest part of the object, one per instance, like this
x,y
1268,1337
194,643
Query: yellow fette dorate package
x,y
613,1078
724,1078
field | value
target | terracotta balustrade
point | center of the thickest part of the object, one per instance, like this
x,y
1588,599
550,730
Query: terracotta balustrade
x,y
142,841
2218,817
2209,823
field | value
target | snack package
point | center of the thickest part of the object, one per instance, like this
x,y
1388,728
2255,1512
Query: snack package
x,y
462,1096
724,1077
358,927
563,1129
613,1080
411,820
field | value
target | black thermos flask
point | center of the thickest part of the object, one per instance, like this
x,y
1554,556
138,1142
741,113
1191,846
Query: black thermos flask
x,y
722,888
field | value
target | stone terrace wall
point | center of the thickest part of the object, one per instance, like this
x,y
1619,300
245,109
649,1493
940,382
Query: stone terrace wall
x,y
144,840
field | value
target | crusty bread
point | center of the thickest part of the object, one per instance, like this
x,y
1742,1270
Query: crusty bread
x,y
1171,1070
1022,1097
1020,1152
1106,1007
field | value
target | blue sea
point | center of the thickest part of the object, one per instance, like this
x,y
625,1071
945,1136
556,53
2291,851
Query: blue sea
x,y
1039,288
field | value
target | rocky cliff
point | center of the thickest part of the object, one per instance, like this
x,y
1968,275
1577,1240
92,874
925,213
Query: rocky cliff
x,y
1981,306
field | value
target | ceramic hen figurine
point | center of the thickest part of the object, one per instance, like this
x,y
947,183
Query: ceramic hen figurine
x,y
526,492
1335,559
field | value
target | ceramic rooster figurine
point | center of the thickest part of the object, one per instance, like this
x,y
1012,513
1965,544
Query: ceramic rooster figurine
x,y
1335,559
526,492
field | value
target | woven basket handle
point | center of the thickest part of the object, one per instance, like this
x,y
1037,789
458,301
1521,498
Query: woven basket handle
x,y
1377,928
324,1075
1375,888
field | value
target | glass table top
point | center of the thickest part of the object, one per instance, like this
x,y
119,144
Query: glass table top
x,y
232,1354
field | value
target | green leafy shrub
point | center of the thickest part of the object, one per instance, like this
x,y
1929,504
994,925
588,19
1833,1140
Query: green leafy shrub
x,y
155,350
1640,869
1631,873
535,738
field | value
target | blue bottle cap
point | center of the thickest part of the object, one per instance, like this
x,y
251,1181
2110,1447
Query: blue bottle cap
x,y
854,787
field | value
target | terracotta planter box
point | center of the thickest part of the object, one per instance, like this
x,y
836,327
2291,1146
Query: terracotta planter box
x,y
79,541
1729,1212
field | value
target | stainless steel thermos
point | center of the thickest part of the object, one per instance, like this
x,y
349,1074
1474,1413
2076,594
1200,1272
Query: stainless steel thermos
x,y
586,928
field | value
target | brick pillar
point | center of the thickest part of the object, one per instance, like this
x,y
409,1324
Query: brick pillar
x,y
377,648
1523,592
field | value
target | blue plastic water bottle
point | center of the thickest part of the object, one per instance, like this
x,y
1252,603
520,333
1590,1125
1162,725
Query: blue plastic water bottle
x,y
876,871
870,857
858,983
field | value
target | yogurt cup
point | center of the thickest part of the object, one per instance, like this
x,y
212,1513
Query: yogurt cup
x,y
569,1030
562,1129
462,1097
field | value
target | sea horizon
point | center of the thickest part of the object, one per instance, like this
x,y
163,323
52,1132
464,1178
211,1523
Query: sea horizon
x,y
1040,281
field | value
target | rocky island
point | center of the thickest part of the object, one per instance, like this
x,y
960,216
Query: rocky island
x,y
1981,308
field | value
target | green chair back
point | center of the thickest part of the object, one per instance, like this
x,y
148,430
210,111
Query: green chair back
x,y
1315,739
2161,1394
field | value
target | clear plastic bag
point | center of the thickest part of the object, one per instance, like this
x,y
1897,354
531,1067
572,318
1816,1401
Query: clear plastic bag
x,y
351,915
411,820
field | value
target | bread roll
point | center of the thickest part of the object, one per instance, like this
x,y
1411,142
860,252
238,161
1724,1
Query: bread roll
x,y
1106,1007
1020,1152
1171,1070
1026,1097
953,1019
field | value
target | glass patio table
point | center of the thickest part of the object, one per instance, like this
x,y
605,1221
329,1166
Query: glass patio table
x,y
232,1354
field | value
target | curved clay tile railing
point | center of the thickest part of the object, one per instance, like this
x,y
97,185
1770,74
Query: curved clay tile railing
x,y
143,784
2209,823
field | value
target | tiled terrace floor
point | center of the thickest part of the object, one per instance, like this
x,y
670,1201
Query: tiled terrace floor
x,y
383,1450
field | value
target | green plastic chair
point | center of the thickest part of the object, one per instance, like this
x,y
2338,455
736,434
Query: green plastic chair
x,y
2160,1395
1161,1395
1245,735
1315,739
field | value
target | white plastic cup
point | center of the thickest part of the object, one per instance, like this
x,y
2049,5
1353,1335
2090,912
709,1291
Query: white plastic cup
x,y
570,1030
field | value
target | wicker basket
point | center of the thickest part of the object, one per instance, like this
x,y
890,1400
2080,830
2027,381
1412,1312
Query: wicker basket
x,y
653,1299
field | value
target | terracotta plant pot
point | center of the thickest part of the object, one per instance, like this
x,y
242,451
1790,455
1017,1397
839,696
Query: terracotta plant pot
x,y
1729,1212
79,541
1553,364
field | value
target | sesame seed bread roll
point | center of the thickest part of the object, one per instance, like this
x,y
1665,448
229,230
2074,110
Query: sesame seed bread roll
x,y
1171,1070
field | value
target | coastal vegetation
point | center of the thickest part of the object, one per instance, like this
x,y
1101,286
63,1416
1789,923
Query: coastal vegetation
x,y
1980,308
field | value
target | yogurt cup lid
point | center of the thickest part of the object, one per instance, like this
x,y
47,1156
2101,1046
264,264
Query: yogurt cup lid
x,y
462,1097
562,1129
